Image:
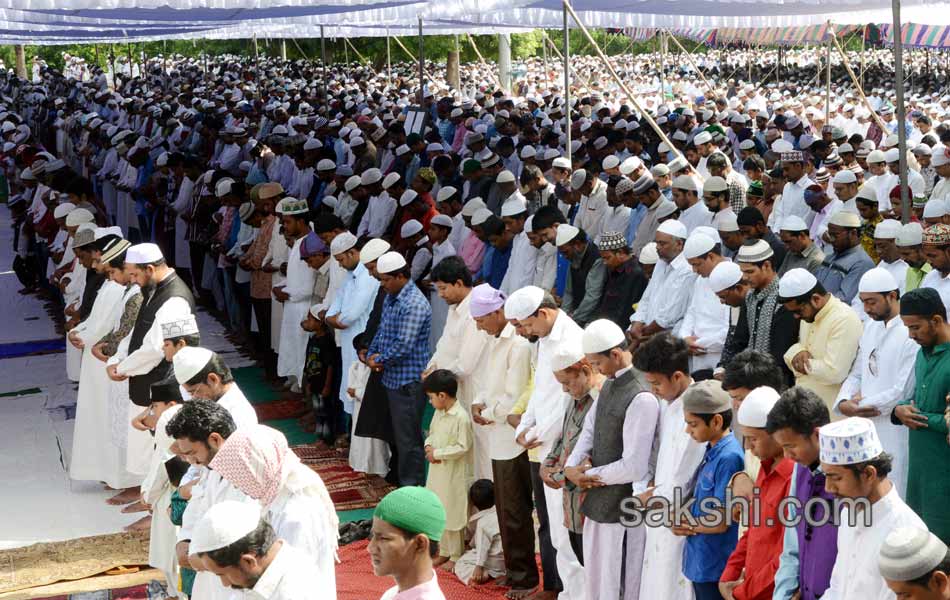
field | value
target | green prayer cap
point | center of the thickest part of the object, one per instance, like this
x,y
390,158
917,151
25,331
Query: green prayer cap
x,y
755,189
414,510
470,166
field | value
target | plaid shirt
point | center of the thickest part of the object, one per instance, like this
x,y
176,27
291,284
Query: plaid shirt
x,y
736,192
402,340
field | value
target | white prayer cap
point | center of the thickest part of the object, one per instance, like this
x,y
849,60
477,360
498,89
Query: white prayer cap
x,y
782,146
565,234
223,524
684,182
27,174
389,180
714,184
892,155
845,218
325,164
611,162
602,335
162,159
63,209
407,197
514,205
939,156
473,206
561,162
703,137
142,254
354,142
445,193
371,176
887,229
754,410
565,356
630,165
911,234
101,232
410,228
877,280
223,187
442,220
529,224
697,245
674,228
505,176
648,255
795,283
481,215
312,144
909,553
189,361
523,303
578,178
876,156
373,249
845,148
724,275
528,152
844,176
746,145
728,223
920,149
184,326
390,262
342,242
78,216
849,441
352,183
793,223
934,209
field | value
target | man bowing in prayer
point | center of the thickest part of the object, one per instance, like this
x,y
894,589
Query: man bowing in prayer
x,y
203,374
915,564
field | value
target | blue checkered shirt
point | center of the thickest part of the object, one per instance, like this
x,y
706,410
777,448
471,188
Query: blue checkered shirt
x,y
402,340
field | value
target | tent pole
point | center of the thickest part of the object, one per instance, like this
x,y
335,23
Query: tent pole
x,y
828,76
323,61
128,48
422,62
346,53
693,64
863,37
544,54
399,43
901,111
389,60
854,80
662,44
619,81
481,59
567,82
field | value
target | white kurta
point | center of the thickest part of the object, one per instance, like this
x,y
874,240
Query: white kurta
x,y
883,373
706,319
293,339
157,492
277,253
367,455
677,460
73,296
92,457
856,573
183,206
522,265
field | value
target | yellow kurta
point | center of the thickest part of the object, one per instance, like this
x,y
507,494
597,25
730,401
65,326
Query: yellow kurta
x,y
832,340
450,435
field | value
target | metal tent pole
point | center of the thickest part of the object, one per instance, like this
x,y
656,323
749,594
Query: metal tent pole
x,y
567,83
828,77
421,64
323,60
544,54
901,111
389,60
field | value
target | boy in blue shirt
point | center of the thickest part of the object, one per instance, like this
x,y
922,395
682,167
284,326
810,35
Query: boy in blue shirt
x,y
709,542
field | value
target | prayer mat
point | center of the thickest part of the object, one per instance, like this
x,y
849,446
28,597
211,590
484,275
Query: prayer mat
x,y
32,348
280,409
349,489
105,587
355,579
45,563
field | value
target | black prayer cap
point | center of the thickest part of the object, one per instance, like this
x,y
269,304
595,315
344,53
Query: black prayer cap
x,y
165,391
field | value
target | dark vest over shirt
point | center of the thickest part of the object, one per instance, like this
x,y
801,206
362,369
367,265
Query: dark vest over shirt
x,y
579,274
817,546
94,281
602,504
171,287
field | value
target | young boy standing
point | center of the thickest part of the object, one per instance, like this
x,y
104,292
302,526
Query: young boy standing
x,y
664,360
750,571
708,415
448,450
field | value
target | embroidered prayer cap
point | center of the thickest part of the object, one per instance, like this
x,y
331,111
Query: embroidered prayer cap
x,y
793,223
911,234
414,510
485,300
187,325
78,216
114,249
444,193
877,280
505,176
684,182
523,303
754,251
143,254
390,262
674,228
887,229
223,524
623,186
271,189
698,244
724,275
793,156
63,209
714,185
342,242
371,176
472,206
85,235
514,205
566,356
649,255
935,208
909,553
706,398
602,335
849,441
845,218
410,228
373,249
442,221
795,283
612,240
565,233
190,361
754,410
293,206
937,235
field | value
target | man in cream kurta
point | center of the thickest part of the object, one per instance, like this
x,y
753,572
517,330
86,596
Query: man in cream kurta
x,y
293,339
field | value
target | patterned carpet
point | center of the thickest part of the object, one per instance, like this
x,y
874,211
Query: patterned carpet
x,y
348,489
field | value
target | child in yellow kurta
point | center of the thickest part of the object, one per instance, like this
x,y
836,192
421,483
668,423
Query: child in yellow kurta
x,y
448,450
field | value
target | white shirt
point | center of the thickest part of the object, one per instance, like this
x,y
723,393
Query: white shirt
x,y
647,306
289,576
545,271
459,231
936,280
695,216
235,402
460,348
856,574
521,266
708,320
442,251
150,353
898,269
672,299
792,202
378,216
590,215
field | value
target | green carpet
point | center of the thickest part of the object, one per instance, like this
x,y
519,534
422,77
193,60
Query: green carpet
x,y
355,515
25,392
252,382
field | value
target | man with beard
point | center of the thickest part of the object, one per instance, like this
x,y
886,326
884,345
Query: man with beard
x,y
910,241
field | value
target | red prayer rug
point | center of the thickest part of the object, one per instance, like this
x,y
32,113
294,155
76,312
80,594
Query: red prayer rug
x,y
349,489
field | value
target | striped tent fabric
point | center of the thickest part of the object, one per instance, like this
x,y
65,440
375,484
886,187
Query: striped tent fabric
x,y
918,35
